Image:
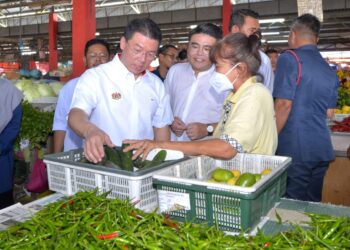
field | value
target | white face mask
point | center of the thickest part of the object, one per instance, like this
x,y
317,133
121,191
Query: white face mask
x,y
220,81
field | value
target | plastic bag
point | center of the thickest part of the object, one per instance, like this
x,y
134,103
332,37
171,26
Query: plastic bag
x,y
38,181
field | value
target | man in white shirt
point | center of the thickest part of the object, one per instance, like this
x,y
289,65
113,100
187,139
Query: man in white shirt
x,y
195,104
246,21
122,99
96,52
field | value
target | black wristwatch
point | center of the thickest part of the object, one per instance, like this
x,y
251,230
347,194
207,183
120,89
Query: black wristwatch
x,y
210,130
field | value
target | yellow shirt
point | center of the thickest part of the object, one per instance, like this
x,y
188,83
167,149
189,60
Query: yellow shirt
x,y
251,120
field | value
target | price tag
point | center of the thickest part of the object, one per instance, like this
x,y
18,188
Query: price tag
x,y
172,201
24,144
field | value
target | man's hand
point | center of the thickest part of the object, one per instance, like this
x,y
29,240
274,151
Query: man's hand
x,y
178,126
282,110
196,130
95,138
141,147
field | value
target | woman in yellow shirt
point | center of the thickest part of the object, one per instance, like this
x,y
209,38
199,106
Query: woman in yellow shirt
x,y
248,121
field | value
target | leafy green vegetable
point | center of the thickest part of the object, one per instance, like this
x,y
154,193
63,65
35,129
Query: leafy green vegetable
x,y
36,126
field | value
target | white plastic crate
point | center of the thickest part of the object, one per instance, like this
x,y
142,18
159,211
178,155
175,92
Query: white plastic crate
x,y
232,208
68,177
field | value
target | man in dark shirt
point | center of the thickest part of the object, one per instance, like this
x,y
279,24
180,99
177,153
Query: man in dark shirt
x,y
305,91
167,55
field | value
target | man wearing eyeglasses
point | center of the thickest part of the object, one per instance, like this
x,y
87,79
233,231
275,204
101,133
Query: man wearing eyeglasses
x,y
167,57
96,52
195,104
122,99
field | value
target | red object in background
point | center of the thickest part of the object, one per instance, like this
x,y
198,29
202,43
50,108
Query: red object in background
x,y
44,67
38,180
9,65
226,14
53,26
83,29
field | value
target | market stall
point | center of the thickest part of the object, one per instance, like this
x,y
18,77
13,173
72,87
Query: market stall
x,y
87,221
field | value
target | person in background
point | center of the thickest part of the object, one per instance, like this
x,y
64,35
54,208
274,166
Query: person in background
x,y
273,55
122,99
196,106
10,124
246,21
302,108
182,56
167,58
248,120
96,52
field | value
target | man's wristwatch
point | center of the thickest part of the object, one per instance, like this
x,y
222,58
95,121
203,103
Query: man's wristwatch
x,y
210,130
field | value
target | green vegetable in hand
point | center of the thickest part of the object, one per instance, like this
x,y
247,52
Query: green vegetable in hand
x,y
158,159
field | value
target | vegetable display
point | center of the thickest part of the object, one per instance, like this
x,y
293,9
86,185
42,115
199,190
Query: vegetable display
x,y
90,221
235,177
35,89
342,126
116,158
343,101
36,126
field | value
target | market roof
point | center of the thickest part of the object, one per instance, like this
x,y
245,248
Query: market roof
x,y
23,24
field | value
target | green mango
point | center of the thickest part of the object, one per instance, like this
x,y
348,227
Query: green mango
x,y
246,180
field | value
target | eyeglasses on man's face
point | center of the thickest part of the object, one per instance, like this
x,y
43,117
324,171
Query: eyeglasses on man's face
x,y
94,56
139,52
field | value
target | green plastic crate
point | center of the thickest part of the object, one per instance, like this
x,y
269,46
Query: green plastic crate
x,y
185,194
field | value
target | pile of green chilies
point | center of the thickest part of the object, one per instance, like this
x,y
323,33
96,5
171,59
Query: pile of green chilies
x,y
90,221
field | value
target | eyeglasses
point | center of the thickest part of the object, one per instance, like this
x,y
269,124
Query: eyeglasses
x,y
138,52
101,56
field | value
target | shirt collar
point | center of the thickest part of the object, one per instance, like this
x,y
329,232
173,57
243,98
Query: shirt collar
x,y
202,73
234,96
124,72
308,47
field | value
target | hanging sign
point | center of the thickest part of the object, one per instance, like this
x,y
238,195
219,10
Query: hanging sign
x,y
313,7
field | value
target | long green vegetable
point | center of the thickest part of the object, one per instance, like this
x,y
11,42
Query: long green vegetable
x,y
90,221
116,158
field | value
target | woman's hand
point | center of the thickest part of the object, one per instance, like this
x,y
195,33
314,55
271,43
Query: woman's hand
x,y
141,147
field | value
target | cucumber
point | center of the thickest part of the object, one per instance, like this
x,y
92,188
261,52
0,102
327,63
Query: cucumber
x,y
139,163
112,155
111,165
126,161
157,160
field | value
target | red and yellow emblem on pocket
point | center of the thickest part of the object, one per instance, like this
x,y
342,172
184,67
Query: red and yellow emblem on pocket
x,y
116,96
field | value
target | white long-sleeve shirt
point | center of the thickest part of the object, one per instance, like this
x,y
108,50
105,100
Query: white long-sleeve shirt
x,y
192,98
266,71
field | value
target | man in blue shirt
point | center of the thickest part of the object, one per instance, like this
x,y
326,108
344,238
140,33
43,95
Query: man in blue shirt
x,y
302,105
167,58
96,52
